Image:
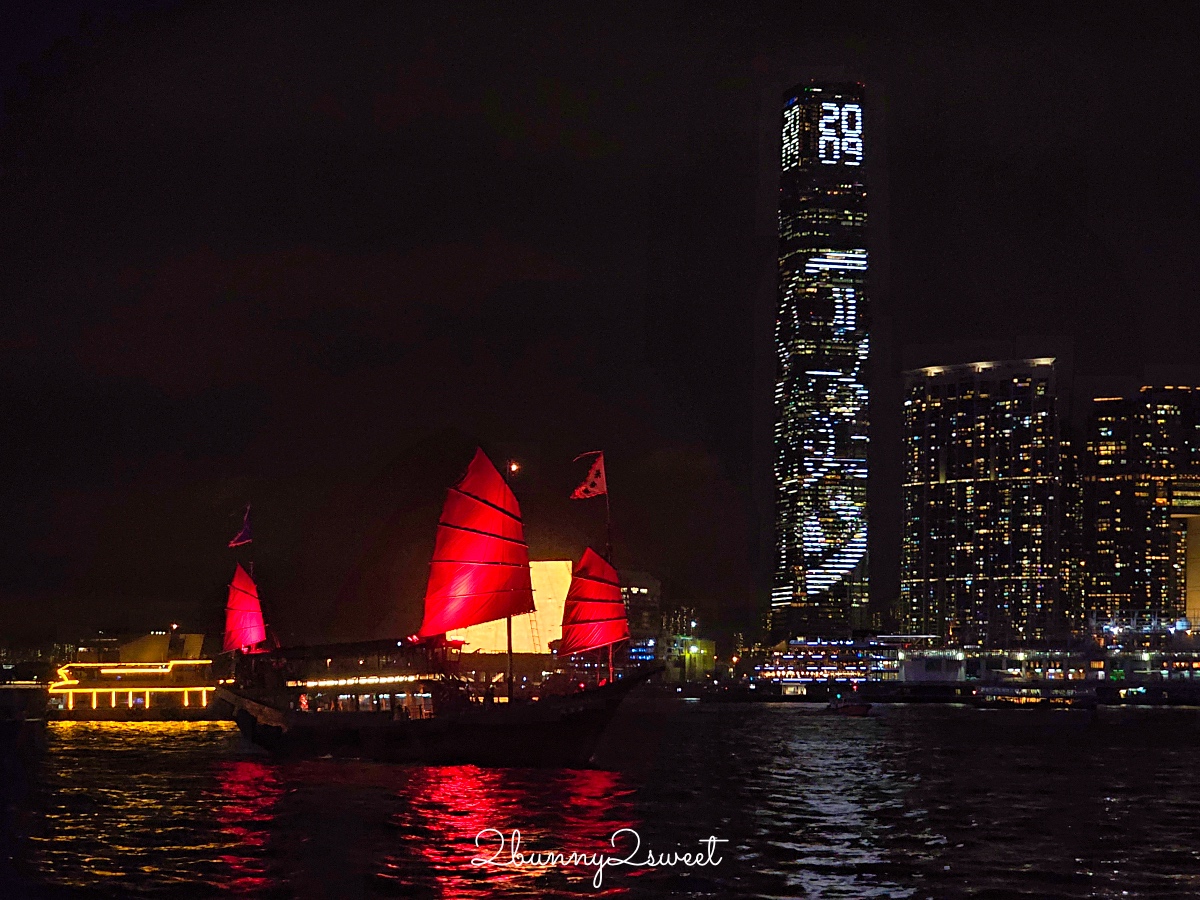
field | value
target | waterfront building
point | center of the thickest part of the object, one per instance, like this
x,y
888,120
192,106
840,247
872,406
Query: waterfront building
x,y
532,632
686,658
808,662
1071,538
983,503
1140,487
643,651
1175,657
821,342
680,619
642,593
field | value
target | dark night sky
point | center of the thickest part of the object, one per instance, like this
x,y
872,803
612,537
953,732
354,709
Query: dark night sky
x,y
303,255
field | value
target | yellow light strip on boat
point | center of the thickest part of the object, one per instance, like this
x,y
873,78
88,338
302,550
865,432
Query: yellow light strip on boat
x,y
362,680
146,692
65,679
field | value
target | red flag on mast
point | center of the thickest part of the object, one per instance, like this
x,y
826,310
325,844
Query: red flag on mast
x,y
594,484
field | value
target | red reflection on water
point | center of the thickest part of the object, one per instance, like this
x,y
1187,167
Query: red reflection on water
x,y
598,805
446,808
248,790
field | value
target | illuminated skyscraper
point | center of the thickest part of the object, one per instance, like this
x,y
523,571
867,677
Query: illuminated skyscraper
x,y
821,341
985,503
1140,471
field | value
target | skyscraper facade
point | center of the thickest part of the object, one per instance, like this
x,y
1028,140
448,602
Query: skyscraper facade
x,y
821,341
985,487
642,594
1140,474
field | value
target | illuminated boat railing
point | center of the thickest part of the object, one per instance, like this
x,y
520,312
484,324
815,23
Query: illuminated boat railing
x,y
133,685
360,681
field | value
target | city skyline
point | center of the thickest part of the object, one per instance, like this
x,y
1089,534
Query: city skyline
x,y
1022,529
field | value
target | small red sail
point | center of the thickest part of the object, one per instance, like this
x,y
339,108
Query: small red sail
x,y
594,613
243,614
480,568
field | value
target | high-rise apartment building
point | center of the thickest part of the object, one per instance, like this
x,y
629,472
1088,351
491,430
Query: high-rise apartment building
x,y
985,481
1140,487
642,594
821,341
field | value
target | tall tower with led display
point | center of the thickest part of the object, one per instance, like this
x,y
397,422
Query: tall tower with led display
x,y
821,342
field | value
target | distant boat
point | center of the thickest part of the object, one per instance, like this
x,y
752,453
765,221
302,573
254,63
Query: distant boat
x,y
400,699
1036,695
840,707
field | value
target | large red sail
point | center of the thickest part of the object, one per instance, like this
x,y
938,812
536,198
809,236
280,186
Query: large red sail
x,y
243,614
480,568
594,614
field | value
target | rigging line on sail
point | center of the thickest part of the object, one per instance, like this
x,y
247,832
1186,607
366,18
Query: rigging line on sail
x,y
597,580
490,534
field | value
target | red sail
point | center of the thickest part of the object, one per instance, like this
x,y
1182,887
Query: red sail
x,y
243,615
594,614
480,568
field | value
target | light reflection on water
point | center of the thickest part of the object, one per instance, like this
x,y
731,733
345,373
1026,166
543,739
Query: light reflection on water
x,y
918,802
136,807
246,796
445,810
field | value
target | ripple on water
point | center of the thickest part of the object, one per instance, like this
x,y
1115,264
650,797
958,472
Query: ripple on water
x,y
919,802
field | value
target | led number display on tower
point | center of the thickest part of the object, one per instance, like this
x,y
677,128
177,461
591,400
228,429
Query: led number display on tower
x,y
821,341
825,131
839,134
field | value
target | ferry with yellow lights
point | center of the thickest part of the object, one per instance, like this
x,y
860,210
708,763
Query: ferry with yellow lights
x,y
1035,695
161,676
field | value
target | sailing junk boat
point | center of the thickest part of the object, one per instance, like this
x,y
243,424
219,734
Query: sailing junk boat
x,y
408,706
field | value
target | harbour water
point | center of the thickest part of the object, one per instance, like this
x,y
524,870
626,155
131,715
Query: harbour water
x,y
917,801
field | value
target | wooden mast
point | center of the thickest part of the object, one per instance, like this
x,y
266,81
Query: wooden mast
x,y
510,467
608,559
599,570
510,660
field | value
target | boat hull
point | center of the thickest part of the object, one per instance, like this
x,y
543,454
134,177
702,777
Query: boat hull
x,y
553,732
